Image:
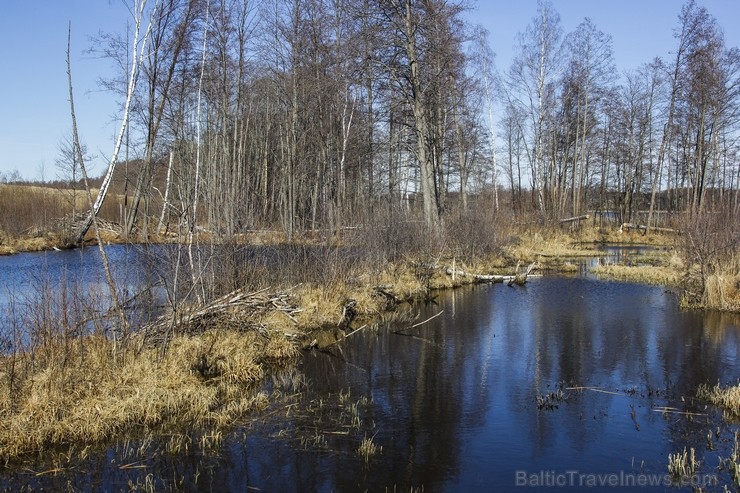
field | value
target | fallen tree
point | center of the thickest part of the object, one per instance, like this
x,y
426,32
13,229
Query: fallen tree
x,y
642,227
518,279
573,219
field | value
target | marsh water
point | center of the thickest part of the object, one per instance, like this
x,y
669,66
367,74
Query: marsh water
x,y
566,383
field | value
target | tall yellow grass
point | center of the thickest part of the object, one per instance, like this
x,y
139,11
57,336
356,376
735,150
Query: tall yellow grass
x,y
646,274
86,392
727,398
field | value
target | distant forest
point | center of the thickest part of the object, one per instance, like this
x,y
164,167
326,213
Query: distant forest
x,y
306,114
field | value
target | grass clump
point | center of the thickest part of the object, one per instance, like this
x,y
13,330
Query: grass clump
x,y
682,465
732,463
88,391
647,274
728,398
368,449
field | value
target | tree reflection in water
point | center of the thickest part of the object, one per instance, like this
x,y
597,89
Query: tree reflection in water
x,y
454,407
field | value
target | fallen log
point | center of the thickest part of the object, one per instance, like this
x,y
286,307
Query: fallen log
x,y
642,227
478,277
518,279
576,218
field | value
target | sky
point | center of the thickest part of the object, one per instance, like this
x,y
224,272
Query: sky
x,y
34,106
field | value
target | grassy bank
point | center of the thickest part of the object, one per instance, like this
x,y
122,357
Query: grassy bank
x,y
204,371
87,391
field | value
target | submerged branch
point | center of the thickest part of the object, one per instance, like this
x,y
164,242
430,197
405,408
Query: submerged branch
x,y
401,331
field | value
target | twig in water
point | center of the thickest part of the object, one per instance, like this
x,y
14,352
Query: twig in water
x,y
594,389
674,410
400,331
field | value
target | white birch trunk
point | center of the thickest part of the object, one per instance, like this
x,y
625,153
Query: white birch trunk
x,y
138,54
166,204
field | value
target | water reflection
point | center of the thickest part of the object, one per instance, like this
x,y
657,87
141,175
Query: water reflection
x,y
456,404
454,401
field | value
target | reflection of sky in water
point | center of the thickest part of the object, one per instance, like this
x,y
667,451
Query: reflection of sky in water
x,y
454,405
22,273
77,272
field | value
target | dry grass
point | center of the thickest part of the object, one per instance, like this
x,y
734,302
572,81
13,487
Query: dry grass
x,y
31,217
550,244
727,398
562,243
84,390
722,292
658,275
87,392
682,465
710,246
368,449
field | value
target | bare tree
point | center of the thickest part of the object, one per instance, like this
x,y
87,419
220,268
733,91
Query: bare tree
x,y
534,70
138,49
77,148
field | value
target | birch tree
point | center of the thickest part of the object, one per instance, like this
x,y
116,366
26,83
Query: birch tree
x,y
530,79
139,47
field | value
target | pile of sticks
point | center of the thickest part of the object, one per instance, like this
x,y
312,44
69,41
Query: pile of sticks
x,y
239,310
72,222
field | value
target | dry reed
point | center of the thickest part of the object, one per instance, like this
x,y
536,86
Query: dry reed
x,y
368,449
85,393
727,398
647,274
682,465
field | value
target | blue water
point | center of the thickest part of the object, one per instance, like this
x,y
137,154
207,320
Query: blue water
x,y
453,403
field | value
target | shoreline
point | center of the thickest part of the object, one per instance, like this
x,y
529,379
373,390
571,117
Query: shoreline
x,y
209,377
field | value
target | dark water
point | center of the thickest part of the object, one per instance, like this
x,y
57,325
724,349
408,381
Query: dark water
x,y
454,403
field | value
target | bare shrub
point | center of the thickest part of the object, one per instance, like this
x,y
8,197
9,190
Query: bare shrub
x,y
478,233
710,245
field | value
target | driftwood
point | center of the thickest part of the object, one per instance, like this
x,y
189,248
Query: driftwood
x,y
576,218
349,312
479,277
521,279
518,279
594,389
642,227
418,324
237,311
673,410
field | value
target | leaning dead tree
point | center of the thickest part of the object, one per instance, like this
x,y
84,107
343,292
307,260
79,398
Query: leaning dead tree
x,y
138,55
123,328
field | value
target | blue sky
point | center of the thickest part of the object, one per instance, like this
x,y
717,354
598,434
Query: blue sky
x,y
34,106
34,110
